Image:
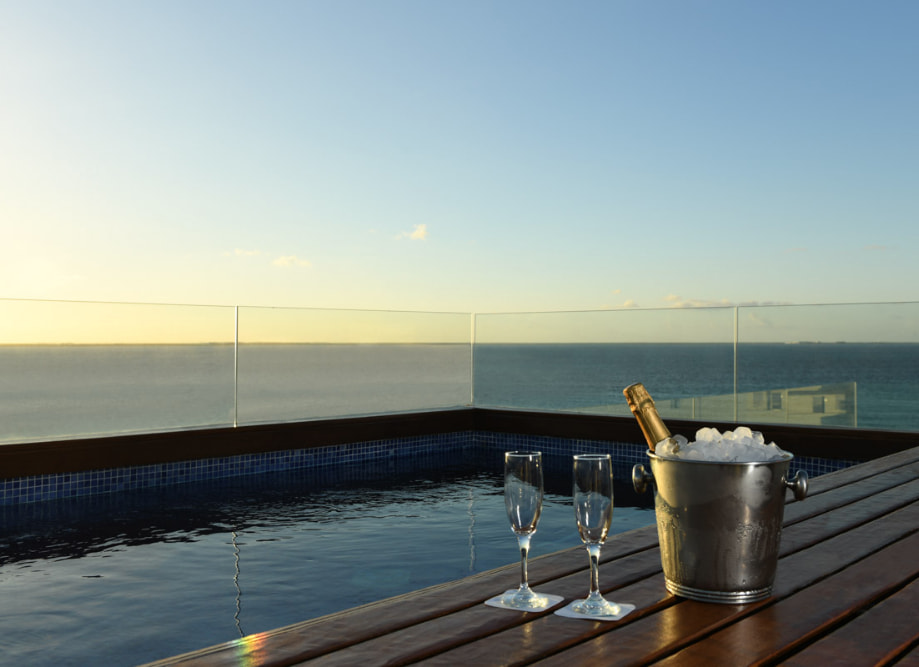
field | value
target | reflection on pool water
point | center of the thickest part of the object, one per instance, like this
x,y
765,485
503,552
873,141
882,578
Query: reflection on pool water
x,y
126,578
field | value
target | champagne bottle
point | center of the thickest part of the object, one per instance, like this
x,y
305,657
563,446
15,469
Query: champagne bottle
x,y
642,406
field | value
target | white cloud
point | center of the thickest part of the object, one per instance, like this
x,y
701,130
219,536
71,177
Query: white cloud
x,y
875,248
628,303
677,301
291,260
283,261
418,233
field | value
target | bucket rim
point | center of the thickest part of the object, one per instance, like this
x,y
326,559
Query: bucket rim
x,y
788,458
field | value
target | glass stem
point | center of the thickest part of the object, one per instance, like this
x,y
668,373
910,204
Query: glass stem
x,y
593,551
524,542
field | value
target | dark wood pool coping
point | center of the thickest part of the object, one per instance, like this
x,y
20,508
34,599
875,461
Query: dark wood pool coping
x,y
99,453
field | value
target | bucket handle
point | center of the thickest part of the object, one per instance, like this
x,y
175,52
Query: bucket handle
x,y
798,485
641,478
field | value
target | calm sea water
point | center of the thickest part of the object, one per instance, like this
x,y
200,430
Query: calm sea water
x,y
886,375
127,578
60,391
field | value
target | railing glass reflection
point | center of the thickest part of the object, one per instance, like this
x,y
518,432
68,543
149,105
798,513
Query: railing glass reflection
x,y
299,364
71,370
853,365
580,362
872,348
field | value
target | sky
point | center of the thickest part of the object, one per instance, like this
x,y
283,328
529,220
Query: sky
x,y
466,156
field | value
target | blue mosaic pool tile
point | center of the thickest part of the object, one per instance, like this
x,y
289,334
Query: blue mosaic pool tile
x,y
71,485
624,454
814,466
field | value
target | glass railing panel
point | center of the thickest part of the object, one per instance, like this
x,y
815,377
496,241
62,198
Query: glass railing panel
x,y
71,369
831,365
581,361
299,364
79,369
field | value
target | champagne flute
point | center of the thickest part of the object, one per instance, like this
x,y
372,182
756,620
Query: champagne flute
x,y
523,491
593,508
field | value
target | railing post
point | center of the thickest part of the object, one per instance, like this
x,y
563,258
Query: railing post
x,y
236,367
855,404
472,360
736,318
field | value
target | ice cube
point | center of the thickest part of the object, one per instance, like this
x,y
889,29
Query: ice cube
x,y
743,433
742,445
707,434
671,447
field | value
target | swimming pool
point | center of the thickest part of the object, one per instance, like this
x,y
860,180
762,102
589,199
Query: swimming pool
x,y
124,578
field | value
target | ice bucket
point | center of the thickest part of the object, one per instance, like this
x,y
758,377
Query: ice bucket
x,y
719,524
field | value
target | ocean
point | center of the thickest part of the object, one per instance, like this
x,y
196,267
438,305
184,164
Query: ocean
x,y
880,381
65,391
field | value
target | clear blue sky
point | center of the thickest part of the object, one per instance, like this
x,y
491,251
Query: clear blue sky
x,y
460,156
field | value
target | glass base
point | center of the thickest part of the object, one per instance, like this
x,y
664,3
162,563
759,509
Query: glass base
x,y
527,600
595,608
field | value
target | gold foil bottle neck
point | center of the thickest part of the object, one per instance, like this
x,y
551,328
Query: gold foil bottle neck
x,y
642,406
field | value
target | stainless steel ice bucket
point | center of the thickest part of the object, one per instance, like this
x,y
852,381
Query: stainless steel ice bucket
x,y
719,524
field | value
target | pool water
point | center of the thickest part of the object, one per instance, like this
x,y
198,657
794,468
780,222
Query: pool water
x,y
122,579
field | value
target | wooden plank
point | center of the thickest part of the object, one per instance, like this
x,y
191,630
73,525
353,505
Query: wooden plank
x,y
910,659
426,639
650,638
678,626
416,642
832,480
548,632
838,520
822,527
803,567
551,634
777,630
858,489
879,635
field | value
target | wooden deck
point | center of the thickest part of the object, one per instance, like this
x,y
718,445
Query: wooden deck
x,y
846,593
